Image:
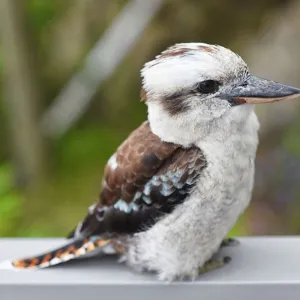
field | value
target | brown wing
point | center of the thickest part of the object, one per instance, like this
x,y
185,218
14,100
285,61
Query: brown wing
x,y
145,178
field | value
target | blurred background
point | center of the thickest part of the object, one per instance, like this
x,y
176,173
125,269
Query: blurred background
x,y
70,84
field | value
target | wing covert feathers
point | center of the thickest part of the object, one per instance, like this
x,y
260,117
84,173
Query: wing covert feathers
x,y
144,179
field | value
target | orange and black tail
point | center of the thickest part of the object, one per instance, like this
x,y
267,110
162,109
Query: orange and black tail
x,y
72,250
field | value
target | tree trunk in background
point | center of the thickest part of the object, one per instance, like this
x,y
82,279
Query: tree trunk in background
x,y
22,94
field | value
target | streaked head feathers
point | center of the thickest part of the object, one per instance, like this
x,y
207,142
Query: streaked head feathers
x,y
183,66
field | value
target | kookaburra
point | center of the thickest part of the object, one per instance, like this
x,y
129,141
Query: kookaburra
x,y
176,186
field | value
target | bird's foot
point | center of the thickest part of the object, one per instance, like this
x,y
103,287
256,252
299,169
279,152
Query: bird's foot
x,y
214,263
229,242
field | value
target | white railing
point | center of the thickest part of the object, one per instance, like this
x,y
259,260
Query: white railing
x,y
261,268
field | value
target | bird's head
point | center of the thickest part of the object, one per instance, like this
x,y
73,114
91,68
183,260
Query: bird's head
x,y
202,83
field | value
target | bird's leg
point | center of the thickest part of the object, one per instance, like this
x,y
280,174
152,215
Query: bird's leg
x,y
229,242
214,263
217,262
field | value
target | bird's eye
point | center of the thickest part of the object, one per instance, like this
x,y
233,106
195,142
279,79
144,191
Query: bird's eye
x,y
208,86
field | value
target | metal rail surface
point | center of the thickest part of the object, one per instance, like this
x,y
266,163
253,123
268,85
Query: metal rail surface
x,y
261,268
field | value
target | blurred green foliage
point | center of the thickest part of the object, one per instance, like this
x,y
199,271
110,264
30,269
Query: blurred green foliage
x,y
11,201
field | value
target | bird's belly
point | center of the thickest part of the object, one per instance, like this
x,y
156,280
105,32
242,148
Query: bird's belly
x,y
223,193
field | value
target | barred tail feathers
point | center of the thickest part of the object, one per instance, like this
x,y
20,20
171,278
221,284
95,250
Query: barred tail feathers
x,y
59,255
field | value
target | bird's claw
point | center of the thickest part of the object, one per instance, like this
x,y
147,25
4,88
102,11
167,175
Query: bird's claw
x,y
214,264
229,242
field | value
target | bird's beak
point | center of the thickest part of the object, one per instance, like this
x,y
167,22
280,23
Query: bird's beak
x,y
258,90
